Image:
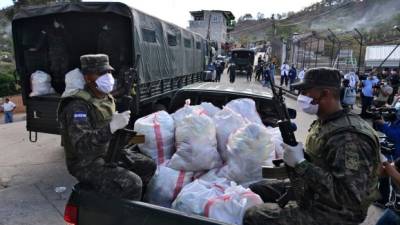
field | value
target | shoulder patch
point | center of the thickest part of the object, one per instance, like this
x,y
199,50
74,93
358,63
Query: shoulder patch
x,y
352,160
80,116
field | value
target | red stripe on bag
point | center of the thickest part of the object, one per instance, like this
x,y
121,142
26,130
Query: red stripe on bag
x,y
179,184
212,201
219,187
159,141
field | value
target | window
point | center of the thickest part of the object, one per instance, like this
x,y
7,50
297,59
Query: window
x,y
198,45
216,18
198,17
172,40
149,35
187,43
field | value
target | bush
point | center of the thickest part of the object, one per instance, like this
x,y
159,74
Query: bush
x,y
7,81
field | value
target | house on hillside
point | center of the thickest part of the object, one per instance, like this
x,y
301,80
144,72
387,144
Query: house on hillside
x,y
213,25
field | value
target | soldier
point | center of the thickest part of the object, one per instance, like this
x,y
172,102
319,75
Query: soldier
x,y
338,181
88,120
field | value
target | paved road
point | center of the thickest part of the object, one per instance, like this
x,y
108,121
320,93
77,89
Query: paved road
x,y
30,172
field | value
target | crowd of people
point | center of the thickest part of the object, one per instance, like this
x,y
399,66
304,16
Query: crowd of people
x,y
375,91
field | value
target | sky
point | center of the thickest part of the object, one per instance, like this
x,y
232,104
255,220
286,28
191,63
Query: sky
x,y
177,11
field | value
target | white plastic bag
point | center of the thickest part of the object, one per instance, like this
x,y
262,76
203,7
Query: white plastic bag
x,y
165,185
196,144
249,148
277,150
195,195
213,175
185,111
73,81
41,84
158,129
231,206
226,122
246,107
220,199
209,109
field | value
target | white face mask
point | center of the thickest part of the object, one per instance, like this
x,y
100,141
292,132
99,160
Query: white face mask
x,y
304,103
105,83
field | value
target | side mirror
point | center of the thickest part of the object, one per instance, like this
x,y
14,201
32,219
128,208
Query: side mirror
x,y
292,113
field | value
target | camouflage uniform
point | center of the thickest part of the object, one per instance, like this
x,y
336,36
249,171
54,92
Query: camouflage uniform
x,y
84,122
338,182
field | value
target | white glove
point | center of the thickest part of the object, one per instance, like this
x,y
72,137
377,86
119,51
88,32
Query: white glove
x,y
382,158
119,120
293,155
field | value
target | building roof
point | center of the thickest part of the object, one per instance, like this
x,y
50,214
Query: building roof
x,y
227,14
375,55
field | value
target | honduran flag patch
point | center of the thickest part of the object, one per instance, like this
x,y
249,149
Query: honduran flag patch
x,y
80,116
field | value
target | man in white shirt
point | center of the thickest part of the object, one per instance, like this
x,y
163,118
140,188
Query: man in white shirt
x,y
301,74
8,107
285,74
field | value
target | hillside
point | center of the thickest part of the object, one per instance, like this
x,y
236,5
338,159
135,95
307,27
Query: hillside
x,y
375,18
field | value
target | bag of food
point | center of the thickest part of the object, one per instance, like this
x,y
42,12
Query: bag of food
x,y
276,139
196,144
73,81
246,107
226,122
231,206
186,110
209,109
158,129
41,84
194,196
249,148
220,199
165,185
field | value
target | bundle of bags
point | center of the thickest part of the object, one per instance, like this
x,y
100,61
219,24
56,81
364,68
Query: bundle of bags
x,y
221,199
200,146
73,81
41,84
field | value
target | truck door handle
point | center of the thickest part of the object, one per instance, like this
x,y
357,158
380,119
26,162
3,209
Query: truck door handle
x,y
35,115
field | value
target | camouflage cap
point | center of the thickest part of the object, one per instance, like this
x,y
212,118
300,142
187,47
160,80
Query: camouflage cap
x,y
95,63
319,77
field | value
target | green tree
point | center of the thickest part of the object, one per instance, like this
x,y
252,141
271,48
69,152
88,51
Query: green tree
x,y
10,11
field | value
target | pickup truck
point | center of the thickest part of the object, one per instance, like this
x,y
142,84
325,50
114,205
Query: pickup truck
x,y
85,207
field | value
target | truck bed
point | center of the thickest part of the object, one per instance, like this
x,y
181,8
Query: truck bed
x,y
97,209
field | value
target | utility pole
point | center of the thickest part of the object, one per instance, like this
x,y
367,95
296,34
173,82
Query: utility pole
x,y
273,25
398,29
209,40
339,46
360,42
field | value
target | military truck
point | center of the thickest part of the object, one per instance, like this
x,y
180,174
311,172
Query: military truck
x,y
243,59
52,38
